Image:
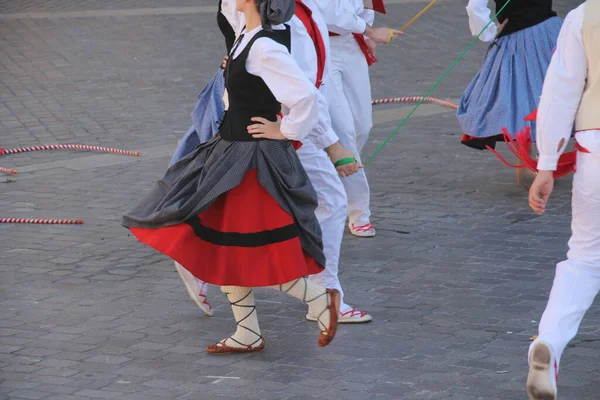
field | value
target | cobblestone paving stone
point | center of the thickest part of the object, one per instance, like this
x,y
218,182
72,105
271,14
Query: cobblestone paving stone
x,y
456,279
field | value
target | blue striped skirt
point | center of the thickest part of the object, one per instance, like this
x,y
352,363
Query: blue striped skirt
x,y
508,86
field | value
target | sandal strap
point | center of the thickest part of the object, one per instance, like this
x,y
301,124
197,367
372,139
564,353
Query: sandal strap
x,y
306,300
239,323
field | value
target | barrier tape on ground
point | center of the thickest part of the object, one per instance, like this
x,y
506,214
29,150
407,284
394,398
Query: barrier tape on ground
x,y
40,221
412,99
8,171
70,147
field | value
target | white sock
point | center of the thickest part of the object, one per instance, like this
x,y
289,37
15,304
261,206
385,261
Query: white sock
x,y
202,286
244,312
312,294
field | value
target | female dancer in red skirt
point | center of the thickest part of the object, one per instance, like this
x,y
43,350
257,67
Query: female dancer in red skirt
x,y
239,211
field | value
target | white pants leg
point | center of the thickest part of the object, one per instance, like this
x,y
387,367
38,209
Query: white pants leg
x,y
349,95
331,212
577,279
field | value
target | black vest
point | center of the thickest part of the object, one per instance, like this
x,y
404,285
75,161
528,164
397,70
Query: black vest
x,y
226,29
522,14
248,94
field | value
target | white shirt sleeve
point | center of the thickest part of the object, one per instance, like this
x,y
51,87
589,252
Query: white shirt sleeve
x,y
562,92
305,55
323,134
234,17
479,16
298,97
368,16
344,16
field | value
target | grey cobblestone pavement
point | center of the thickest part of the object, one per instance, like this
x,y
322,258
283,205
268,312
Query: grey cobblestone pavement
x,y
456,279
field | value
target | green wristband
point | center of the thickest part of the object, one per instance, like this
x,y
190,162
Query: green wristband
x,y
344,161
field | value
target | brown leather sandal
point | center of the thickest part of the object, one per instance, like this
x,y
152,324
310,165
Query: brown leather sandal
x,y
333,300
221,348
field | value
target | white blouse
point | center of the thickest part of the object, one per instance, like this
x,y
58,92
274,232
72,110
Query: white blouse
x,y
563,88
479,16
272,62
304,53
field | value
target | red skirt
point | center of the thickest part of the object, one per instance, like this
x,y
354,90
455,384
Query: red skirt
x,y
245,238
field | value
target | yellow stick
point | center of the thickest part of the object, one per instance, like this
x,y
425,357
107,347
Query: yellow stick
x,y
418,15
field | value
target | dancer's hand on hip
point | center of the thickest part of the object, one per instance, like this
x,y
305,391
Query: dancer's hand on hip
x,y
337,152
540,191
224,63
382,35
266,129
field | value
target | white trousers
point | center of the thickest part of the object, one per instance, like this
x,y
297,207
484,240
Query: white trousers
x,y
349,95
577,280
331,212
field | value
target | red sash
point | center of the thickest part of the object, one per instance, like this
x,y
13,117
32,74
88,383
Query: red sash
x,y
362,43
375,5
304,14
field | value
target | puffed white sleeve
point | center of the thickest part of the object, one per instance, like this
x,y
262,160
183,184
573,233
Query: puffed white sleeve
x,y
298,97
368,16
322,135
479,16
234,17
562,92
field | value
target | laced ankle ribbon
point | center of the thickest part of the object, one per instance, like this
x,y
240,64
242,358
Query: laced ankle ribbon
x,y
305,300
239,323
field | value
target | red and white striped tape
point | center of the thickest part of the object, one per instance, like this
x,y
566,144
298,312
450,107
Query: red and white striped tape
x,y
41,221
70,147
414,99
8,171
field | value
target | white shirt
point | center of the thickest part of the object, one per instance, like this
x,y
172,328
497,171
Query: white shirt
x,y
304,53
479,16
346,16
272,62
563,88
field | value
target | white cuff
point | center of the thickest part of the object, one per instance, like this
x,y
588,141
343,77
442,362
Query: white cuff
x,y
547,162
327,139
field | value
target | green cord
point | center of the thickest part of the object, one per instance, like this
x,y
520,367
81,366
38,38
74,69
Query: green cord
x,y
435,85
344,161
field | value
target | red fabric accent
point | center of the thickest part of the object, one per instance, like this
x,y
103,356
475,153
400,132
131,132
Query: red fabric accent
x,y
377,5
304,14
521,148
362,43
580,148
236,211
532,116
581,130
2,151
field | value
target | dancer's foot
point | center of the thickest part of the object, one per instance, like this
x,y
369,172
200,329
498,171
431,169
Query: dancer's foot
x,y
325,302
329,329
543,373
351,316
247,337
366,230
354,316
196,289
232,346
